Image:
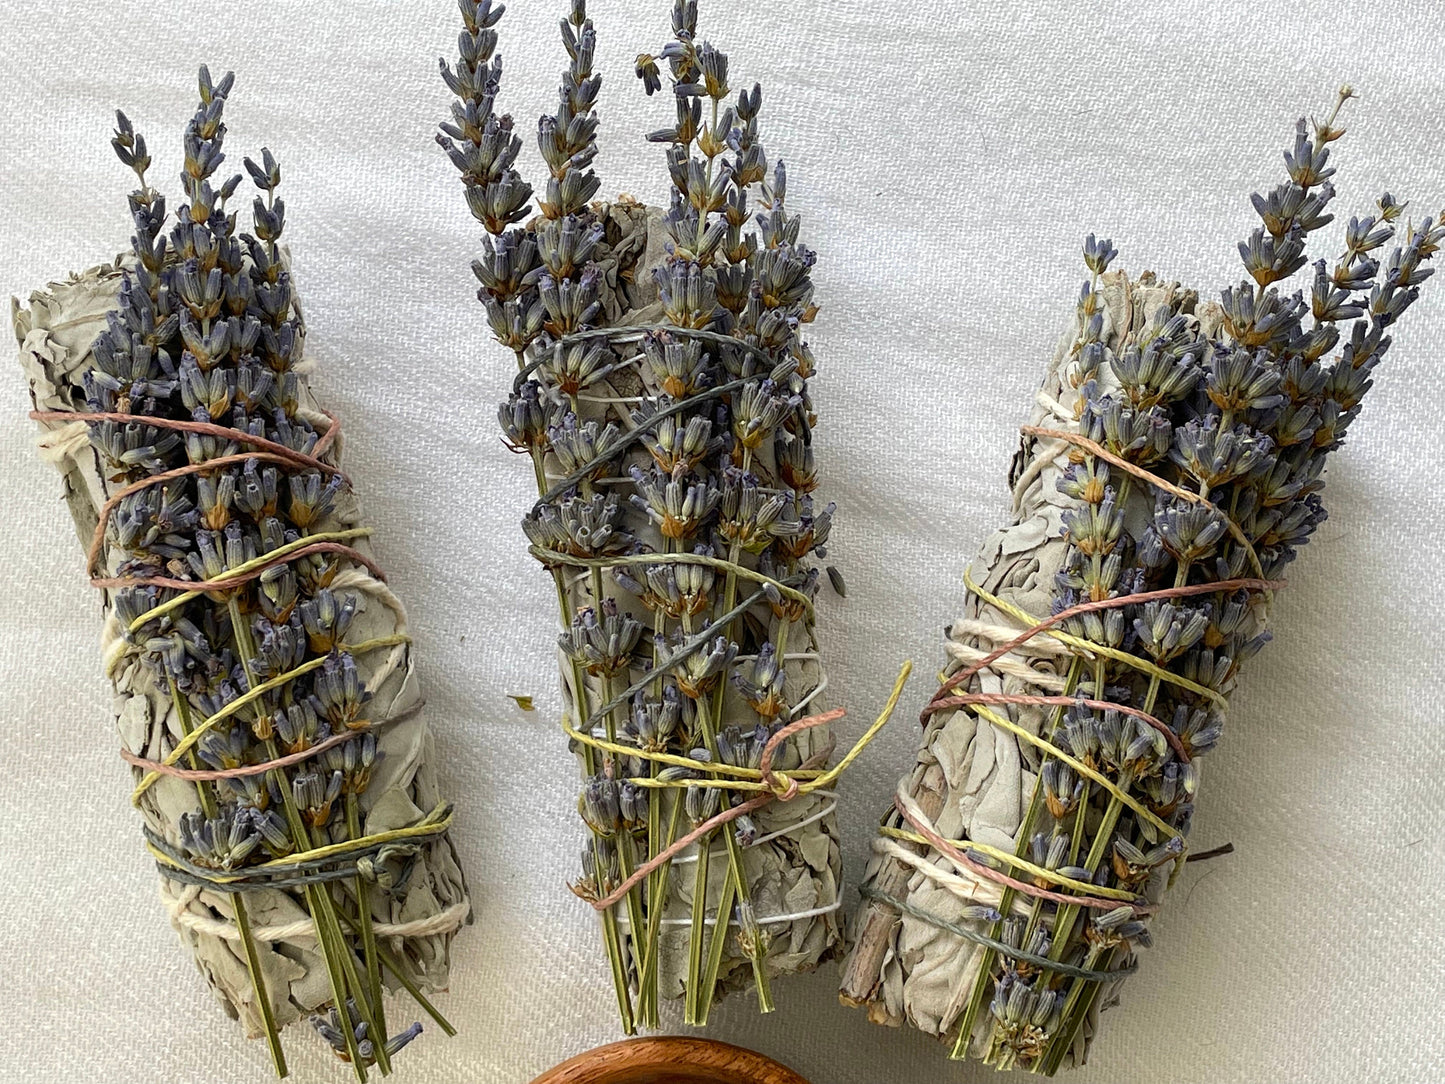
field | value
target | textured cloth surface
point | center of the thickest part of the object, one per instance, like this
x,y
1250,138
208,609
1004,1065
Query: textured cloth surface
x,y
947,164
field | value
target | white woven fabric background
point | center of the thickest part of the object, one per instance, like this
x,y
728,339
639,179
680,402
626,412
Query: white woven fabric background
x,y
948,160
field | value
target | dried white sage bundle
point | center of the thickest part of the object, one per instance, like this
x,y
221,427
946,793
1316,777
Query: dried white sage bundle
x,y
1171,469
264,686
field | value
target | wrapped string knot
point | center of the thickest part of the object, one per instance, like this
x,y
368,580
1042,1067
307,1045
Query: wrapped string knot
x,y
785,788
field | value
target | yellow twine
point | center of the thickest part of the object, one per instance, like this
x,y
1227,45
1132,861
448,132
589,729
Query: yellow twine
x,y
1080,767
1088,646
438,818
189,741
674,760
250,566
750,779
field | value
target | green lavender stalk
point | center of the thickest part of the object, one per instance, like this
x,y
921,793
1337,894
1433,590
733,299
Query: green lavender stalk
x,y
238,903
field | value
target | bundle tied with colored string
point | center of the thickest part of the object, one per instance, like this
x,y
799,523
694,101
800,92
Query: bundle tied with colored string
x,y
1171,469
264,691
661,399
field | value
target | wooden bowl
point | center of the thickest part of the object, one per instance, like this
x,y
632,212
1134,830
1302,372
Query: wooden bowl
x,y
672,1059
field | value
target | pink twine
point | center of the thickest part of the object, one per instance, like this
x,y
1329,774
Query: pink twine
x,y
955,855
781,793
210,774
943,702
1089,607
271,451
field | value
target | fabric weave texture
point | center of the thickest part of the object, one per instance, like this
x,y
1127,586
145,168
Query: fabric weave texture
x,y
948,160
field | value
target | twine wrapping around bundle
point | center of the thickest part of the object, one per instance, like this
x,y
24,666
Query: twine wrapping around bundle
x,y
443,922
975,857
796,882
941,701
774,785
169,860
957,852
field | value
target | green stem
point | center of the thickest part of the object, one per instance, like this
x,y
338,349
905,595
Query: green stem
x,y
238,904
735,868
300,837
693,1014
657,897
612,941
368,937
643,940
258,983
720,928
625,864
735,862
985,967
360,992
635,921
1071,1021
781,645
393,964
1063,927
648,1008
610,937
725,905
702,212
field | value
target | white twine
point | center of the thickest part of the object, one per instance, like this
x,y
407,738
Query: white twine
x,y
966,886
771,920
827,810
797,709
1006,665
182,917
976,891
973,626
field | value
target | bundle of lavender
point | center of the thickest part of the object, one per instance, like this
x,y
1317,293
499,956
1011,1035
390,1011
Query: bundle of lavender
x,y
1172,469
662,401
263,676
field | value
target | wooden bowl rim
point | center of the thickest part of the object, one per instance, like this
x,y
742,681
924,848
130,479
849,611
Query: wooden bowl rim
x,y
606,1064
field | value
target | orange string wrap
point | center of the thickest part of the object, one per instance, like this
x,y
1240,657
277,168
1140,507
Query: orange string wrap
x,y
784,791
